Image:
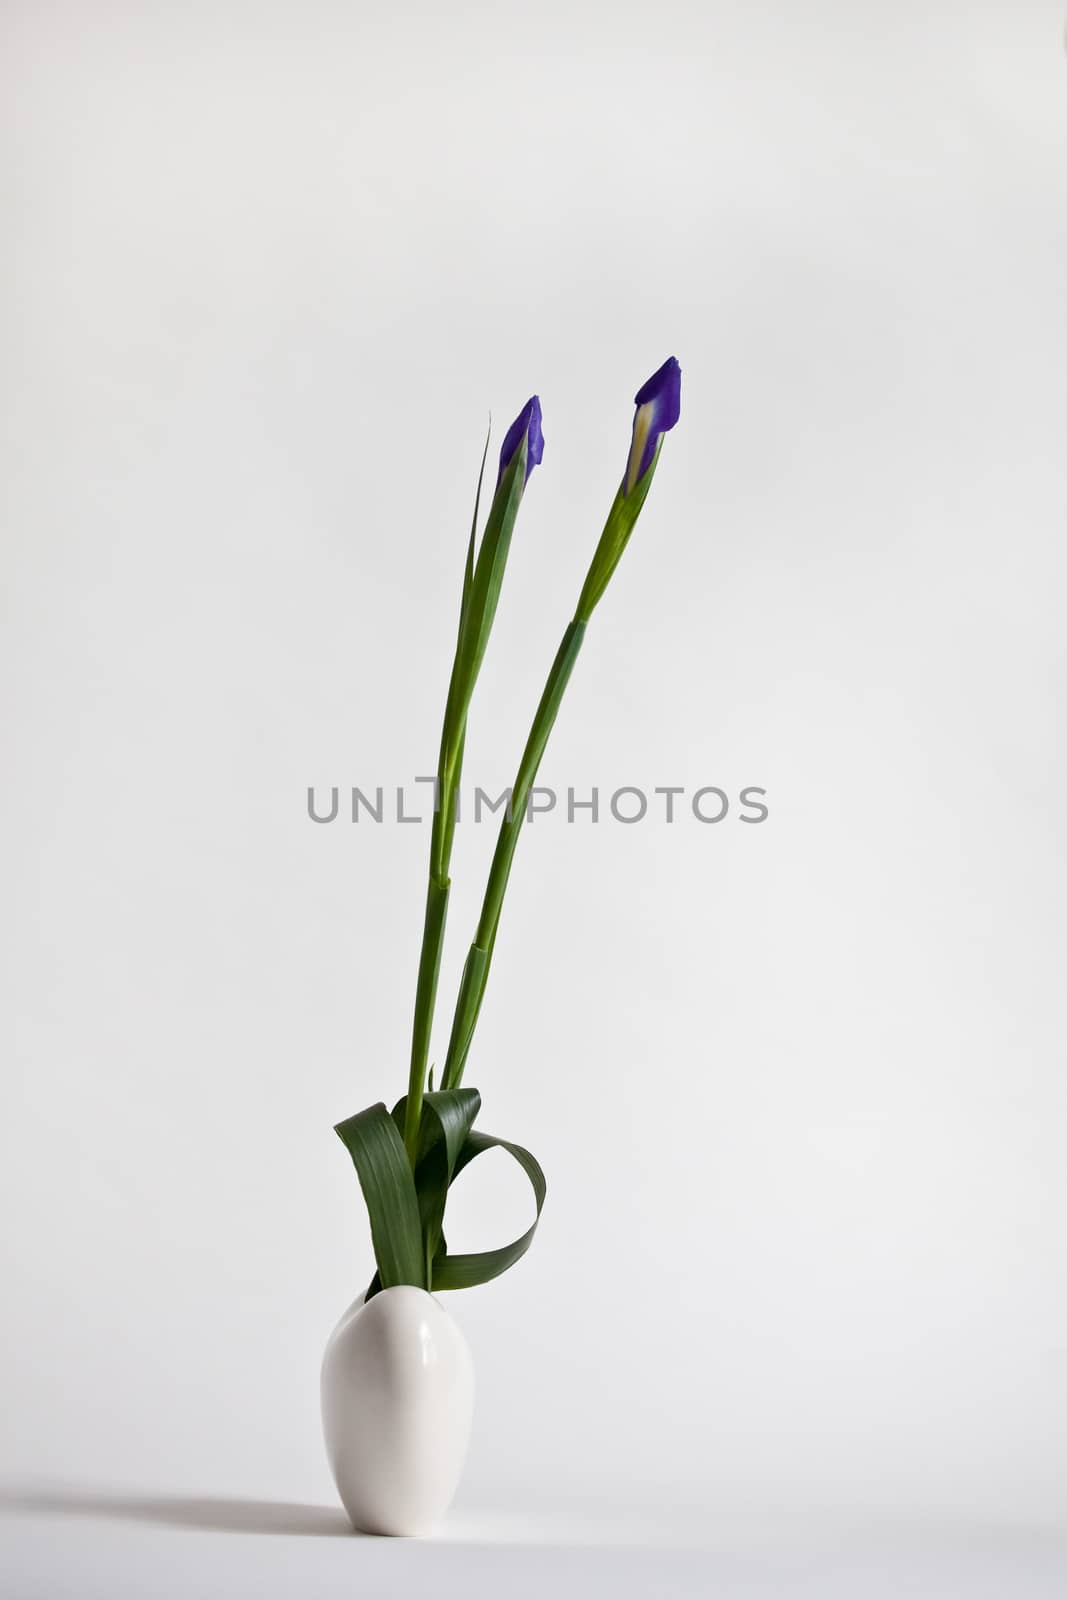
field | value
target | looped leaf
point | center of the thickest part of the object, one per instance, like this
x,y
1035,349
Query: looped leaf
x,y
406,1207
467,1271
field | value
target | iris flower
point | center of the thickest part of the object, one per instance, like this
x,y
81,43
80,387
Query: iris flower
x,y
527,424
659,405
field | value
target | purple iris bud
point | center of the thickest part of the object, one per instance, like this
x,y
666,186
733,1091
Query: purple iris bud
x,y
659,405
528,423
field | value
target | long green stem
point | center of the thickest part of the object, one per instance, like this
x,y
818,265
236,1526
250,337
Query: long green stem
x,y
449,769
476,971
544,719
433,932
481,592
625,510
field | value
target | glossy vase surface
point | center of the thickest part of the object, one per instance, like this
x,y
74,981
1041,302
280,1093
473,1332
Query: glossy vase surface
x,y
397,1400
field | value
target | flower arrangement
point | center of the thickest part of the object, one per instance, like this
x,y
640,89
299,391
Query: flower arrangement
x,y
406,1159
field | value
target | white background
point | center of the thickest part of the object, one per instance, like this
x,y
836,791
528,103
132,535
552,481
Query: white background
x,y
798,1088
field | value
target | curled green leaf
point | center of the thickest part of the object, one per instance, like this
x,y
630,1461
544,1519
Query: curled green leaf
x,y
467,1271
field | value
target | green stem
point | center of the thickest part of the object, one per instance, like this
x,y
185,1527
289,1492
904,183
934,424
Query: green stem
x,y
481,592
625,510
449,770
476,971
544,719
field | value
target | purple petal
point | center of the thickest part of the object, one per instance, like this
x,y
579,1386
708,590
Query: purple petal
x,y
659,405
665,389
528,423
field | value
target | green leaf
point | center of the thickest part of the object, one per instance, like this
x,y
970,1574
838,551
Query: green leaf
x,y
447,1118
468,570
484,591
467,1271
448,799
454,1112
377,1150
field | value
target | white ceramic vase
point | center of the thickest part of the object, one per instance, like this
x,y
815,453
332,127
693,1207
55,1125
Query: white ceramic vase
x,y
397,1399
